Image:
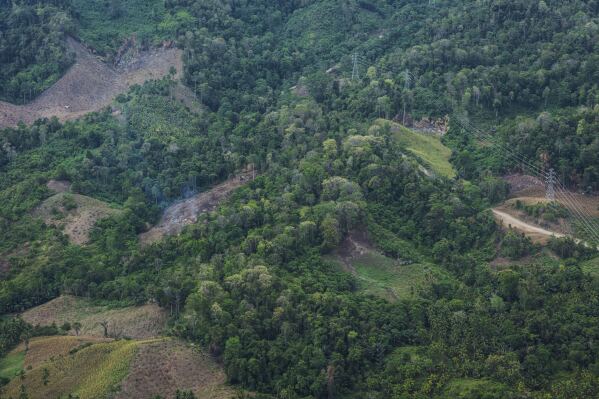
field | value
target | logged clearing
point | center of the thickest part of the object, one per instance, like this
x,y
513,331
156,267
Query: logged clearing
x,y
90,84
382,276
162,367
133,321
186,212
75,214
427,147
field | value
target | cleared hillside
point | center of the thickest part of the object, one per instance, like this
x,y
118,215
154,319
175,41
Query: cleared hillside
x,y
90,84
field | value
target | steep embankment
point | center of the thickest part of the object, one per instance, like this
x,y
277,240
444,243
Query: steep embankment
x,y
91,84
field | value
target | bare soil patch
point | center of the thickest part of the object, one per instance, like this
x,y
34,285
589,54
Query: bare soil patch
x,y
186,212
526,186
355,244
76,214
90,84
162,367
140,322
59,186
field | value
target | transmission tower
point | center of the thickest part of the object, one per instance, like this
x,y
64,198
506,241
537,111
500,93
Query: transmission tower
x,y
355,73
550,189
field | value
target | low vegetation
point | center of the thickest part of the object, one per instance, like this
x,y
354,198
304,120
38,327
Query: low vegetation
x,y
76,215
120,321
427,147
90,372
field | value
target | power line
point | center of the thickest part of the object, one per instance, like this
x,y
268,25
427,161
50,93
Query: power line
x,y
581,216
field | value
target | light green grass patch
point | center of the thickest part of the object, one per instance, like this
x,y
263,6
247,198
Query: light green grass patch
x,y
92,372
591,266
382,276
473,388
427,147
12,364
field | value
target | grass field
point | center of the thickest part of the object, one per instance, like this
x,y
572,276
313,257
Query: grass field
x,y
76,214
90,367
427,147
384,277
12,364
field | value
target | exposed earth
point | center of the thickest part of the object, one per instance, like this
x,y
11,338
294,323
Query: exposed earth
x,y
76,214
537,234
90,84
186,212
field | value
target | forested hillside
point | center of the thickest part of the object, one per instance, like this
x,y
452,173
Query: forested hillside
x,y
303,94
33,54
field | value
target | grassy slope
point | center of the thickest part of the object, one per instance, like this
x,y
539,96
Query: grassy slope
x,y
427,147
591,266
90,372
383,276
79,219
97,368
11,364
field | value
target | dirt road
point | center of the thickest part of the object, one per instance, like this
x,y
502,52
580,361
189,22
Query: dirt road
x,y
90,84
536,233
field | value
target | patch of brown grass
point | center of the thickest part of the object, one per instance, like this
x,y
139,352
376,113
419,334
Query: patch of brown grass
x,y
134,321
42,349
59,186
77,222
160,368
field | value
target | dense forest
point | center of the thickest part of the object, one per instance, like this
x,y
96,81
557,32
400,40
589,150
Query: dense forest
x,y
33,53
255,281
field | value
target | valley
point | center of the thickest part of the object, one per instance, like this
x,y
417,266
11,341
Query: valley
x,y
315,199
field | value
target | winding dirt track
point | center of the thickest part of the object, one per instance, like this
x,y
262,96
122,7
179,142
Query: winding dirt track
x,y
90,84
526,228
